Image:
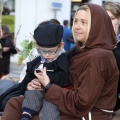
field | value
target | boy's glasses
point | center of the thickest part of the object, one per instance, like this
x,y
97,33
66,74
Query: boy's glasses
x,y
50,52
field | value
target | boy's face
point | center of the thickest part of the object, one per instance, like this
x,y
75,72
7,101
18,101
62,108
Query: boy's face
x,y
50,53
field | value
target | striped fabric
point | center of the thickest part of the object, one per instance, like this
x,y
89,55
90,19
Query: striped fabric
x,y
33,100
49,111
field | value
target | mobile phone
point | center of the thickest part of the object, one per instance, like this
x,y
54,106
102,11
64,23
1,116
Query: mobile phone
x,y
38,70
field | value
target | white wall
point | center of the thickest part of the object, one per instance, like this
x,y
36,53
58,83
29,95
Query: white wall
x,y
99,2
29,13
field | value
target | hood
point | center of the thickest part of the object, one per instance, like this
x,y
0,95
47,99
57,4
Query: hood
x,y
101,32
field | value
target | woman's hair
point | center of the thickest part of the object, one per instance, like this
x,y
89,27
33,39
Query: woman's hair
x,y
87,9
5,29
113,7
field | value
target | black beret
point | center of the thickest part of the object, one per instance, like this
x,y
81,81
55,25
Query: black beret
x,y
48,35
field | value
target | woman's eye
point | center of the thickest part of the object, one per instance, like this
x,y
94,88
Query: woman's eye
x,y
75,21
112,18
84,22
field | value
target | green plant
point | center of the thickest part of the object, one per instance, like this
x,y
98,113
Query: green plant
x,y
27,46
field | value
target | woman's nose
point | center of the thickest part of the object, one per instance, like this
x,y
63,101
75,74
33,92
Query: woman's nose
x,y
78,26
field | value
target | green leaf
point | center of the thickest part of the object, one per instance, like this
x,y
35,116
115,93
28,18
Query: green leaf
x,y
25,44
27,47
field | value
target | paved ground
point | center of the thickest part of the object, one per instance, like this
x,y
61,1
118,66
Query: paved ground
x,y
15,70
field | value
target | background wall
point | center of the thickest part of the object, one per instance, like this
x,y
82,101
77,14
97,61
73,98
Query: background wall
x,y
29,13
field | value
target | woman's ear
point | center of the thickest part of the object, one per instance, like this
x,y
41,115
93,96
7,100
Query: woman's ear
x,y
61,45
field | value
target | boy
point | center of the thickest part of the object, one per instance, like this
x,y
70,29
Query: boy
x,y
53,57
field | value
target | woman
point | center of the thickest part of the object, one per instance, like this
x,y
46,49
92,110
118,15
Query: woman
x,y
93,71
113,10
8,48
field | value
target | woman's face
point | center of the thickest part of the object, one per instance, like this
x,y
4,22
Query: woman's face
x,y
80,26
115,22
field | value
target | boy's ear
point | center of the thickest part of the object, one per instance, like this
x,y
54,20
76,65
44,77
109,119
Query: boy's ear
x,y
36,45
62,45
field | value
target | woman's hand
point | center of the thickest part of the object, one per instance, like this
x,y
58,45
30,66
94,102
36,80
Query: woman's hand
x,y
42,77
34,85
6,49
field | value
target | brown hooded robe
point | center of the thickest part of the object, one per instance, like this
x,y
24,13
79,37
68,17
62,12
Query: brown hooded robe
x,y
93,74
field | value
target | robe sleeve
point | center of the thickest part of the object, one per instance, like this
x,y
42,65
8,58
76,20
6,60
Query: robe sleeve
x,y
61,75
78,102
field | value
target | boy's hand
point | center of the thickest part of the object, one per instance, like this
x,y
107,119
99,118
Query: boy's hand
x,y
34,85
42,77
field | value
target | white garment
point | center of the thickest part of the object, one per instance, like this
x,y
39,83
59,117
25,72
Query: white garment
x,y
32,55
118,38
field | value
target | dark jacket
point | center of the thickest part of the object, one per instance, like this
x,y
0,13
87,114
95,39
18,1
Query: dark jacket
x,y
59,76
5,61
116,52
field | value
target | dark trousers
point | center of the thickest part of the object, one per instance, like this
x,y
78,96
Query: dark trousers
x,y
34,102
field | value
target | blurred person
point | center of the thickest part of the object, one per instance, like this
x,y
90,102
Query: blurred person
x,y
0,38
6,9
113,10
8,48
71,40
67,32
93,72
0,32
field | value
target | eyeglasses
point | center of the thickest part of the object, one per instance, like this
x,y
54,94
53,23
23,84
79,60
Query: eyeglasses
x,y
50,52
